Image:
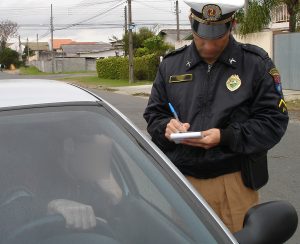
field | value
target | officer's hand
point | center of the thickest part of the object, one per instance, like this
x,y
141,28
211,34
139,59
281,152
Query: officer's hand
x,y
211,138
77,215
175,126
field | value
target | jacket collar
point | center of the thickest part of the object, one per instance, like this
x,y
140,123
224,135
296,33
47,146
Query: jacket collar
x,y
229,56
192,57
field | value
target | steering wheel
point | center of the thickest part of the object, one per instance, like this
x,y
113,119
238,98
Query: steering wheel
x,y
50,226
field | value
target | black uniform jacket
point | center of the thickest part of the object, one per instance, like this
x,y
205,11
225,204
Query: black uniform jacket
x,y
240,94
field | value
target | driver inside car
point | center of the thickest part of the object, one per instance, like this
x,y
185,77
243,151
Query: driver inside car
x,y
70,176
88,161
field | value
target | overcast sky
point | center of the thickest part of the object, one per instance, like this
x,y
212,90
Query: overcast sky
x,y
88,20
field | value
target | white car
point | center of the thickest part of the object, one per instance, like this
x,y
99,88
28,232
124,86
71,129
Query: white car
x,y
76,170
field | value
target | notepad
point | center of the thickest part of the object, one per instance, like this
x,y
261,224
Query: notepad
x,y
177,137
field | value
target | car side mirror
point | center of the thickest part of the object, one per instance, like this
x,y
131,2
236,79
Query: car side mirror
x,y
270,222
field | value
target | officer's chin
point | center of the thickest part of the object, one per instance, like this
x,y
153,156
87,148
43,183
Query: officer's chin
x,y
209,55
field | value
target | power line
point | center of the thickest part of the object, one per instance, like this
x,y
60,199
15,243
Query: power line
x,y
153,7
95,16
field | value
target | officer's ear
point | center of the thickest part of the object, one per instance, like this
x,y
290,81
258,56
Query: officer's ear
x,y
190,16
233,24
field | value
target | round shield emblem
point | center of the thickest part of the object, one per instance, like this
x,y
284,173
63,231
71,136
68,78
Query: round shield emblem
x,y
233,83
211,12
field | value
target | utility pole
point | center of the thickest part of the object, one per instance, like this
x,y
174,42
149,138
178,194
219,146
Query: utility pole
x,y
131,26
246,6
20,49
52,29
37,47
177,20
126,24
27,51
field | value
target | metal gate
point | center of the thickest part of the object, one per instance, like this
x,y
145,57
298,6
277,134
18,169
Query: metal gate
x,y
287,59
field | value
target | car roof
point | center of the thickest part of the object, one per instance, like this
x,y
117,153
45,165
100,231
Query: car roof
x,y
19,92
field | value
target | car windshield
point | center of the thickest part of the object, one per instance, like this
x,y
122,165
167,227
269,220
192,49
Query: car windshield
x,y
83,154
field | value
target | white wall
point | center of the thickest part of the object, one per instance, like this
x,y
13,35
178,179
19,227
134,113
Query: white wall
x,y
104,54
261,39
182,43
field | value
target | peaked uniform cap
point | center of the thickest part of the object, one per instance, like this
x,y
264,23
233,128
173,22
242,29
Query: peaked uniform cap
x,y
227,6
212,19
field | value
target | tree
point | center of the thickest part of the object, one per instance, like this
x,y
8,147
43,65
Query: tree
x,y
25,53
293,8
8,57
8,29
138,39
155,45
258,15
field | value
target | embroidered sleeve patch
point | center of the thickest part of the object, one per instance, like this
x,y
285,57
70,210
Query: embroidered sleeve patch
x,y
277,81
282,105
180,78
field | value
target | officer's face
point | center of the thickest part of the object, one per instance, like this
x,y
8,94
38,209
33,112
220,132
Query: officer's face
x,y
210,50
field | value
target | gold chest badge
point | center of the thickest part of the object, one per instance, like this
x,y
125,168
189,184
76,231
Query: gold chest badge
x,y
233,83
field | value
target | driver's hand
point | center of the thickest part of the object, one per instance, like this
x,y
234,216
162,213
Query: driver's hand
x,y
111,187
77,215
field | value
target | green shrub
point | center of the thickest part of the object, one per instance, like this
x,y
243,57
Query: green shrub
x,y
9,57
112,68
145,67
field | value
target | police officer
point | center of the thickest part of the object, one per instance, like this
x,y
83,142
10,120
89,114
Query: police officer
x,y
229,91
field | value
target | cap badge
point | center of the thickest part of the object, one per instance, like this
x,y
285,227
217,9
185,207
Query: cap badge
x,y
188,63
233,83
211,12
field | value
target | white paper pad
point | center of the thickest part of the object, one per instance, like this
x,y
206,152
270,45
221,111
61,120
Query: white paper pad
x,y
177,137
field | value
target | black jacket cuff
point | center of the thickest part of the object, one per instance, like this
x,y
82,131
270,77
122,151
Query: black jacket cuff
x,y
227,137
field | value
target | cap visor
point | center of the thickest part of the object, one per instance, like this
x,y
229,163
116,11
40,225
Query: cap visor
x,y
210,31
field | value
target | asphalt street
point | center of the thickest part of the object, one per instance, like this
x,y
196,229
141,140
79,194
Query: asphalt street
x,y
284,158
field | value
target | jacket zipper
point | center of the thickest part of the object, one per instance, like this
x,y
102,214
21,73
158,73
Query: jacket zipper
x,y
206,85
209,66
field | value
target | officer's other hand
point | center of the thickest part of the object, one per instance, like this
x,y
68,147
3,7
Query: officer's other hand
x,y
174,126
77,215
210,139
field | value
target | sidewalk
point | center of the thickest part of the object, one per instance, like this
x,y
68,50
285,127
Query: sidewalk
x,y
290,95
145,90
140,90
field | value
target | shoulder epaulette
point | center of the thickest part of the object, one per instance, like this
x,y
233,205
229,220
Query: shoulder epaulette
x,y
175,51
256,50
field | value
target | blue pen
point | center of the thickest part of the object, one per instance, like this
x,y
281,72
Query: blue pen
x,y
174,112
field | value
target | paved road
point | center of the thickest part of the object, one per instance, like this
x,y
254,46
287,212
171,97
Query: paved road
x,y
284,159
12,75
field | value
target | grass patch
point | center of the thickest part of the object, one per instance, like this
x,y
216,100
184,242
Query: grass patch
x,y
141,94
31,70
293,105
95,81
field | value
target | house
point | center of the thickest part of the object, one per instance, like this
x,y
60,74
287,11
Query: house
x,y
280,19
279,23
70,56
58,42
170,35
90,50
40,49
